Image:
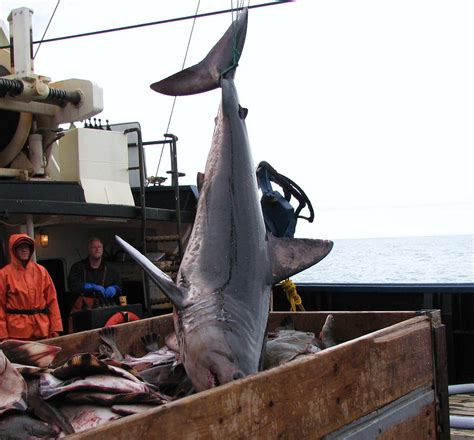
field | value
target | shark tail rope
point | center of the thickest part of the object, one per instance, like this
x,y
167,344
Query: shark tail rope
x,y
292,296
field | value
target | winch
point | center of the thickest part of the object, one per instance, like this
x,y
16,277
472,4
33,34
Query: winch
x,y
32,107
34,146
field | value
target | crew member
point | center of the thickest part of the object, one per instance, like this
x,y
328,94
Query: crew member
x,y
28,303
92,278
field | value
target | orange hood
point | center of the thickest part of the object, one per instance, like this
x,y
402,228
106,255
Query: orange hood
x,y
15,239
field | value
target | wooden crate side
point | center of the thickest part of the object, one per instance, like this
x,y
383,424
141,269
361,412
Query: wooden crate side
x,y
348,325
413,416
307,398
420,426
441,374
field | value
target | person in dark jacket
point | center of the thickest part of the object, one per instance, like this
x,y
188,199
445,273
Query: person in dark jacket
x,y
92,279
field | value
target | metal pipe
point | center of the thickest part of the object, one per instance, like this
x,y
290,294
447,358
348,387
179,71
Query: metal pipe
x,y
141,165
175,183
30,231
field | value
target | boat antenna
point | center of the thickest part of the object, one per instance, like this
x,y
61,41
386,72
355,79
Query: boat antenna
x,y
46,30
182,67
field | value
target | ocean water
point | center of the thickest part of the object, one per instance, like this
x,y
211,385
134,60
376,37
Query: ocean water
x,y
436,259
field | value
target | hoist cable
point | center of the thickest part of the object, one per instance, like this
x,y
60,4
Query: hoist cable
x,y
182,67
153,23
46,30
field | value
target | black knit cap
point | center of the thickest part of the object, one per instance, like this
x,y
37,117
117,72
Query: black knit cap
x,y
24,240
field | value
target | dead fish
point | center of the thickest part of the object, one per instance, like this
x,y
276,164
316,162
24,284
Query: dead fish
x,y
44,411
23,426
157,374
163,356
52,386
86,364
151,342
286,345
327,335
170,379
128,410
109,399
171,341
107,335
28,370
83,417
29,352
13,389
222,293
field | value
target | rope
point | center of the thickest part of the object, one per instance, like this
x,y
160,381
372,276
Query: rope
x,y
292,296
235,53
174,100
153,23
46,30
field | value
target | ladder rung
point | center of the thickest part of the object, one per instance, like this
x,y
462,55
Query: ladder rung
x,y
156,238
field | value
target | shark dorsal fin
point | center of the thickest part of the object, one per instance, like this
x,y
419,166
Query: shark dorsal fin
x,y
163,281
292,255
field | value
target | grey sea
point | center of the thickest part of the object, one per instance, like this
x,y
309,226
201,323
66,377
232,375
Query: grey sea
x,y
436,259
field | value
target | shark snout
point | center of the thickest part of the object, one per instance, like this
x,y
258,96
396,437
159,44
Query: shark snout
x,y
238,375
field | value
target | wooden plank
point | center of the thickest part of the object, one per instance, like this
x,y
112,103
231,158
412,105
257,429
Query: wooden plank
x,y
348,325
461,434
307,398
413,416
420,426
461,404
440,360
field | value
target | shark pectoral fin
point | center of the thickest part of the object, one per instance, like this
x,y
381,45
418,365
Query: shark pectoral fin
x,y
292,255
163,281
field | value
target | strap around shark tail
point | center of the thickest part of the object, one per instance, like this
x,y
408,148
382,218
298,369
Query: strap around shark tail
x,y
220,61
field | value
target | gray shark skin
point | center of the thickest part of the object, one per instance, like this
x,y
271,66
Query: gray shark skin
x,y
222,292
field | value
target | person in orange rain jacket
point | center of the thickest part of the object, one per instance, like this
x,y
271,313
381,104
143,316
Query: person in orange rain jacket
x,y
28,302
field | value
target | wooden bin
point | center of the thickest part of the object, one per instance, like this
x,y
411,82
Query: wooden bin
x,y
386,379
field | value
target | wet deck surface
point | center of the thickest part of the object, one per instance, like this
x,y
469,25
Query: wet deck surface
x,y
461,405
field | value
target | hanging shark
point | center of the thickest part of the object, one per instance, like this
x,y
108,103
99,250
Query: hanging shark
x,y
222,293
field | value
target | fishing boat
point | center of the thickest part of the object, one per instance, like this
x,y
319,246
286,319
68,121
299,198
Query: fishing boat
x,y
63,184
66,177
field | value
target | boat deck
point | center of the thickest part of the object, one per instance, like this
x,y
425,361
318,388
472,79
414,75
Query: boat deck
x,y
461,405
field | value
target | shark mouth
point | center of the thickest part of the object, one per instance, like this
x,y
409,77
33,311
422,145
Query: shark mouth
x,y
212,379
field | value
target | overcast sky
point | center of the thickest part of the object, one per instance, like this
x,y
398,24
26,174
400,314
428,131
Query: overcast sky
x,y
367,105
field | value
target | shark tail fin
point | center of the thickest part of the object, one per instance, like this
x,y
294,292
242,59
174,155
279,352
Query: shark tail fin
x,y
163,281
292,255
220,61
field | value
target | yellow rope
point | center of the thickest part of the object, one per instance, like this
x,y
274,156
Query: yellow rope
x,y
294,299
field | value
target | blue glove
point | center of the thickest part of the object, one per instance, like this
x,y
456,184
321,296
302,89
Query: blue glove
x,y
91,287
111,291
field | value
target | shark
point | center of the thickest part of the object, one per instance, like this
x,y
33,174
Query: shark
x,y
222,292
